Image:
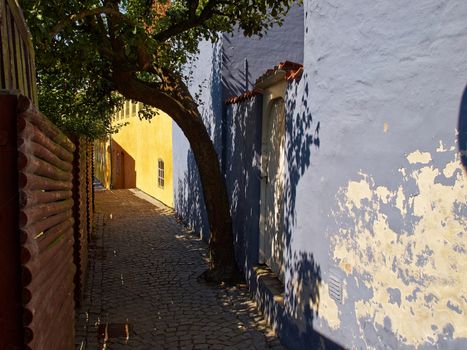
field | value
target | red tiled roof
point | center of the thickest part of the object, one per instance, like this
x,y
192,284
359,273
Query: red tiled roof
x,y
294,74
243,97
291,68
293,71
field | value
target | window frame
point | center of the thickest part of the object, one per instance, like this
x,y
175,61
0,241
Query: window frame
x,y
160,173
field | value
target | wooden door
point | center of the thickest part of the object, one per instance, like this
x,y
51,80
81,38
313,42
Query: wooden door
x,y
272,204
118,179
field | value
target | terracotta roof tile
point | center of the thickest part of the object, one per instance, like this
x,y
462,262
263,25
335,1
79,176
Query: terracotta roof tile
x,y
294,74
293,71
243,97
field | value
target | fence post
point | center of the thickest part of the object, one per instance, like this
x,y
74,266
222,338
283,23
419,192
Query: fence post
x,y
89,192
80,214
11,328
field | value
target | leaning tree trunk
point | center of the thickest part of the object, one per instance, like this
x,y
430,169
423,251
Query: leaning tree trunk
x,y
183,110
221,248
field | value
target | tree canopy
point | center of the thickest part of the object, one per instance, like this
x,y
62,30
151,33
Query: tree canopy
x,y
81,44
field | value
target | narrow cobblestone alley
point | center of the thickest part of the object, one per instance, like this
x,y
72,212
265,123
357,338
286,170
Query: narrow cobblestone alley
x,y
143,269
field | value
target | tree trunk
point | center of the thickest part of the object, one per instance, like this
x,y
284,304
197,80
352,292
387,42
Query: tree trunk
x,y
221,248
184,112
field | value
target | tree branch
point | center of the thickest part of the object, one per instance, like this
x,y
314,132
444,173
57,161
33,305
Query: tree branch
x,y
85,13
193,6
103,46
192,22
133,88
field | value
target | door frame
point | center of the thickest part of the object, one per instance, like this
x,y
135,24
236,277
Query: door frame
x,y
274,87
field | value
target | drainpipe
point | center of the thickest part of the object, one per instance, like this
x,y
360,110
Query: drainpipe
x,y
111,172
247,78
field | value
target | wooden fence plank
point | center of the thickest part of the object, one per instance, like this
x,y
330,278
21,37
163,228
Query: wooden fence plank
x,y
12,84
28,111
50,336
59,273
49,237
6,72
18,59
63,281
36,229
30,198
35,182
42,243
27,163
29,132
41,211
37,266
43,153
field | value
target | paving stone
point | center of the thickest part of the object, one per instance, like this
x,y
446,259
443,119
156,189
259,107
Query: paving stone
x,y
142,270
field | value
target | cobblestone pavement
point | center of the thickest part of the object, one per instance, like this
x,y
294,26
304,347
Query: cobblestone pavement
x,y
142,271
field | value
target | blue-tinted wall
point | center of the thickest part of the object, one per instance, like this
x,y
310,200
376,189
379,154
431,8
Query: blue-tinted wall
x,y
242,171
219,73
206,84
375,188
377,192
245,59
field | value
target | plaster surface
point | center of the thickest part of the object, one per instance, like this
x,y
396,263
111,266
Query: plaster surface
x,y
245,59
375,202
382,200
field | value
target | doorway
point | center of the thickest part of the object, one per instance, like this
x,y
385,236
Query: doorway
x,y
271,243
118,180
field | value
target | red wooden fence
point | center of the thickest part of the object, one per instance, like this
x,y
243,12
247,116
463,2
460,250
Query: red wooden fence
x,y
46,213
43,231
45,158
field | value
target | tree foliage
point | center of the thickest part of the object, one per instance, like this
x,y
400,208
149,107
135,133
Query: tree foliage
x,y
80,44
78,105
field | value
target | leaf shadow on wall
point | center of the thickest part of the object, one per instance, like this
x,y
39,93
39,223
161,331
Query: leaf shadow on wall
x,y
303,286
189,200
243,179
462,130
236,80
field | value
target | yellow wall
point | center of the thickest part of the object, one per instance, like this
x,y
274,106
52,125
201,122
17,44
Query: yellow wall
x,y
102,162
147,142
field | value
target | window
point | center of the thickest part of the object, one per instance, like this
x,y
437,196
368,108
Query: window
x,y
127,109
160,173
133,108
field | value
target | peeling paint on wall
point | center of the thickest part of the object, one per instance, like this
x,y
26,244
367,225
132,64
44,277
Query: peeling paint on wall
x,y
419,157
407,246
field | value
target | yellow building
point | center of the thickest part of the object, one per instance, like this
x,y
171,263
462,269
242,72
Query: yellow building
x,y
102,161
139,155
